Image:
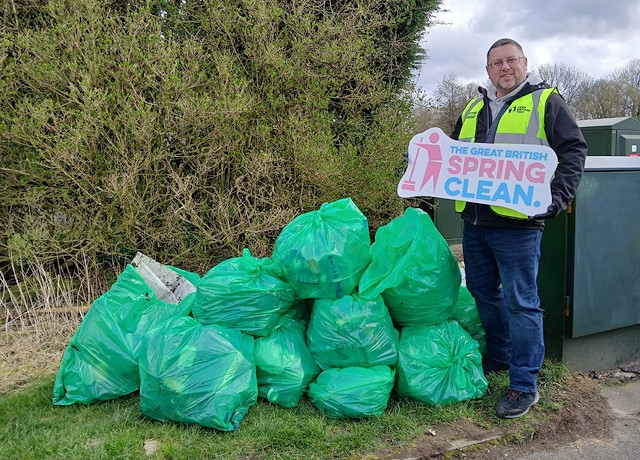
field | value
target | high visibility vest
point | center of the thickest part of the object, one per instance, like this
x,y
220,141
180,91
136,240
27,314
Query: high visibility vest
x,y
521,123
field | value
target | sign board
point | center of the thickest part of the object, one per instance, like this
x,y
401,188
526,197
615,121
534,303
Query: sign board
x,y
514,176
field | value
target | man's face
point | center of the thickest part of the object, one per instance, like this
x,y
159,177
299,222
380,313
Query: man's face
x,y
506,77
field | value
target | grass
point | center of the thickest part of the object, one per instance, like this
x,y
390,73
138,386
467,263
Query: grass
x,y
32,344
34,428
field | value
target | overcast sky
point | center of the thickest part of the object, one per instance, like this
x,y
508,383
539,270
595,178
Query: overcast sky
x,y
595,36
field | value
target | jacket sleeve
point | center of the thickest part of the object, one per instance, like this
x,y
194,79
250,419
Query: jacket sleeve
x,y
566,139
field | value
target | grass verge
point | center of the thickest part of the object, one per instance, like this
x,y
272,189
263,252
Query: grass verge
x,y
34,428
38,328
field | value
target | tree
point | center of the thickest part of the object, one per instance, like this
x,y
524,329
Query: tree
x,y
425,113
570,81
628,77
599,99
448,101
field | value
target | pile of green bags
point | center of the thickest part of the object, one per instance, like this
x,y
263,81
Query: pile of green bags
x,y
330,316
101,360
195,373
243,293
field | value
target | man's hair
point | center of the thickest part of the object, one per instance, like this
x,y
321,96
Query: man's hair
x,y
503,42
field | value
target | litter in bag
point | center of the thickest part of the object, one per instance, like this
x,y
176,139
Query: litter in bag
x,y
352,332
191,373
352,392
284,364
439,364
414,270
101,360
465,313
243,293
323,253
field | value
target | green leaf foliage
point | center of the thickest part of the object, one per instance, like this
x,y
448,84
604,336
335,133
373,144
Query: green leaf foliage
x,y
192,129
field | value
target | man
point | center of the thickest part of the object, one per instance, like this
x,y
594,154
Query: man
x,y
502,247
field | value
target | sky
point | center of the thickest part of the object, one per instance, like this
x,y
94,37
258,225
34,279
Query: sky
x,y
595,36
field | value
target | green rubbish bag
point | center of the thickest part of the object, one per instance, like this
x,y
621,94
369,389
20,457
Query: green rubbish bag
x,y
439,364
466,314
193,278
284,365
323,253
243,293
414,270
101,360
196,374
352,332
352,392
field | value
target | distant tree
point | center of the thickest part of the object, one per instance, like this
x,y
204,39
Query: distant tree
x,y
425,113
570,81
628,77
450,98
599,99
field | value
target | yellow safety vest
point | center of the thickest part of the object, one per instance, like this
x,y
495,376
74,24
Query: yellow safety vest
x,y
522,123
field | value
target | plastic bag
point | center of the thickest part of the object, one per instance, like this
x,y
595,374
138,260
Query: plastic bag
x,y
243,293
323,253
414,270
439,364
353,392
352,332
284,364
197,374
466,314
101,360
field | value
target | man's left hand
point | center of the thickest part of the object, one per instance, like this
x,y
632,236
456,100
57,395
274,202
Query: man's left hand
x,y
552,211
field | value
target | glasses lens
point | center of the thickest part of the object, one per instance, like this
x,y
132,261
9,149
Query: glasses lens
x,y
498,63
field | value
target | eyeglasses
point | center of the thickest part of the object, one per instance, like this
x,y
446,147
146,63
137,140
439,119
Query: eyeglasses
x,y
511,61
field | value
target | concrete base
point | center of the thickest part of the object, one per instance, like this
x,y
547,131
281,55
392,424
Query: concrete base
x,y
602,351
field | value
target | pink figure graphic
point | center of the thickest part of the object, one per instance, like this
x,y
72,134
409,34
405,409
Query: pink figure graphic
x,y
435,160
410,184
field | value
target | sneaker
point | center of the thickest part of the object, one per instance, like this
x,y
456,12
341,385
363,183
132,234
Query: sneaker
x,y
490,366
516,404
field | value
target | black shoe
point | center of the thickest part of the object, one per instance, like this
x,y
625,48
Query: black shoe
x,y
489,366
516,404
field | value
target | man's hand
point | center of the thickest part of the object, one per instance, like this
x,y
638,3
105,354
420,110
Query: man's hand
x,y
552,211
405,156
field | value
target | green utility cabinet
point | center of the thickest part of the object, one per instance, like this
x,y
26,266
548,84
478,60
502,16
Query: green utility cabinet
x,y
447,220
612,136
589,279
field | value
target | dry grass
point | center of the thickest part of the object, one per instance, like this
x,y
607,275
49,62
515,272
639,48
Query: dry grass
x,y
39,311
31,352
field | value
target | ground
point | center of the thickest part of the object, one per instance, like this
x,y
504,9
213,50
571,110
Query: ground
x,y
587,415
583,414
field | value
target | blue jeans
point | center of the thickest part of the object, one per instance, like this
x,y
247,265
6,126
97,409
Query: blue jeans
x,y
501,269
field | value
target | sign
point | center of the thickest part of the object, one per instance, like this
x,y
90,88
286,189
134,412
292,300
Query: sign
x,y
514,176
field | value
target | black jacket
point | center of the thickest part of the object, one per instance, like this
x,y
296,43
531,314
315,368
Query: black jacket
x,y
564,137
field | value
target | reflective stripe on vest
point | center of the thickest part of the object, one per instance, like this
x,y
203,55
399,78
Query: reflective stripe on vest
x,y
522,123
470,120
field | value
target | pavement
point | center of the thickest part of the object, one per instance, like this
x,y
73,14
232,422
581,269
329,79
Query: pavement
x,y
624,400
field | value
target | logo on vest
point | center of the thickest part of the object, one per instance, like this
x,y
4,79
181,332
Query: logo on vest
x,y
519,109
514,176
